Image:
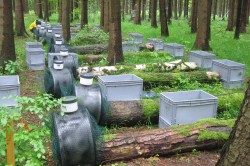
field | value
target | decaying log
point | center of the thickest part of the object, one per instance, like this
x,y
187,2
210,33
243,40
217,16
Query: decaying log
x,y
159,142
91,49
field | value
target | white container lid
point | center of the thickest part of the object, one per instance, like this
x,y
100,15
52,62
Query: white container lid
x,y
86,79
64,52
50,30
69,104
58,42
57,35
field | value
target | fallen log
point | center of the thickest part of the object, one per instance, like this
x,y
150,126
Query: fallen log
x,y
90,49
163,141
130,113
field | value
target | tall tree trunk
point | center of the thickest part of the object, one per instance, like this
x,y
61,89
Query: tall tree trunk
x,y
102,14
163,14
214,8
39,9
243,23
132,9
46,10
230,23
126,6
236,151
143,17
175,9
169,10
76,6
237,29
115,37
71,7
153,13
194,15
223,10
84,13
186,4
60,11
137,19
202,37
106,15
26,6
123,10
19,18
66,19
180,7
7,45
149,9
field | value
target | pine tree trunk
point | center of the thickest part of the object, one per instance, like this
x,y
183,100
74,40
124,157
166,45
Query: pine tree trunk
x,y
115,54
180,7
236,151
60,11
123,10
170,10
230,23
46,10
137,19
153,14
158,142
175,9
214,8
26,7
106,15
243,23
202,37
76,6
19,18
84,13
39,9
163,15
186,4
102,14
132,4
126,6
143,17
66,20
237,29
7,45
194,16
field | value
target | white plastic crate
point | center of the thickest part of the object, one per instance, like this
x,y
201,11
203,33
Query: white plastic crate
x,y
229,70
56,30
35,66
186,107
9,88
136,37
121,87
177,50
232,84
202,58
158,43
129,46
35,56
34,45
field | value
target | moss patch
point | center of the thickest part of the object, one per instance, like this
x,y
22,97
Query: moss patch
x,y
150,108
108,137
205,134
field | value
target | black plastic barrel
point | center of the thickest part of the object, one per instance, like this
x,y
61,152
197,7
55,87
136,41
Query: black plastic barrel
x,y
59,83
90,97
73,139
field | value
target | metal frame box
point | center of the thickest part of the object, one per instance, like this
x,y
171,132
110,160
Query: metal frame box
x,y
186,107
202,58
121,87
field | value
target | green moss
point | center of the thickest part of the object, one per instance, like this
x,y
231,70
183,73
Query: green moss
x,y
185,129
205,134
108,137
150,108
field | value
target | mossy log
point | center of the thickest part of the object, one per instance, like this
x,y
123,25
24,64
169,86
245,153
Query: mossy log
x,y
130,113
163,142
90,49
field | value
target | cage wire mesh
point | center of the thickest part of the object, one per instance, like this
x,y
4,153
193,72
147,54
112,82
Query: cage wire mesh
x,y
76,138
59,83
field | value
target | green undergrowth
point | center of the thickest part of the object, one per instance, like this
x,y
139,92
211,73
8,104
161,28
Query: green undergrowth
x,y
205,134
150,108
185,129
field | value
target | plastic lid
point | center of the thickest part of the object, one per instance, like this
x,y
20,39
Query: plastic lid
x,y
64,49
87,75
69,99
58,62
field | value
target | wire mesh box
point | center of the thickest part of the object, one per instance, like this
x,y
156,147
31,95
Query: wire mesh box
x,y
136,37
158,43
229,70
121,87
186,107
9,88
177,50
34,45
202,58
130,46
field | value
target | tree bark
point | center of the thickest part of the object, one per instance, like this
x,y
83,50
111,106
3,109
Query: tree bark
x,y
76,6
115,54
186,4
19,18
106,16
238,21
180,7
84,13
237,151
203,32
126,6
194,16
39,9
215,8
102,14
137,19
175,9
243,21
66,20
163,15
153,14
158,141
26,7
91,49
169,10
230,23
60,11
46,10
7,44
143,17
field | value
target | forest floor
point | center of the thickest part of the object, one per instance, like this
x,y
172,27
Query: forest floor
x,y
30,85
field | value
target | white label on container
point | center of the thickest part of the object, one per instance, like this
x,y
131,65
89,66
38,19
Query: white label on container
x,y
49,30
58,66
86,81
64,53
57,35
58,42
